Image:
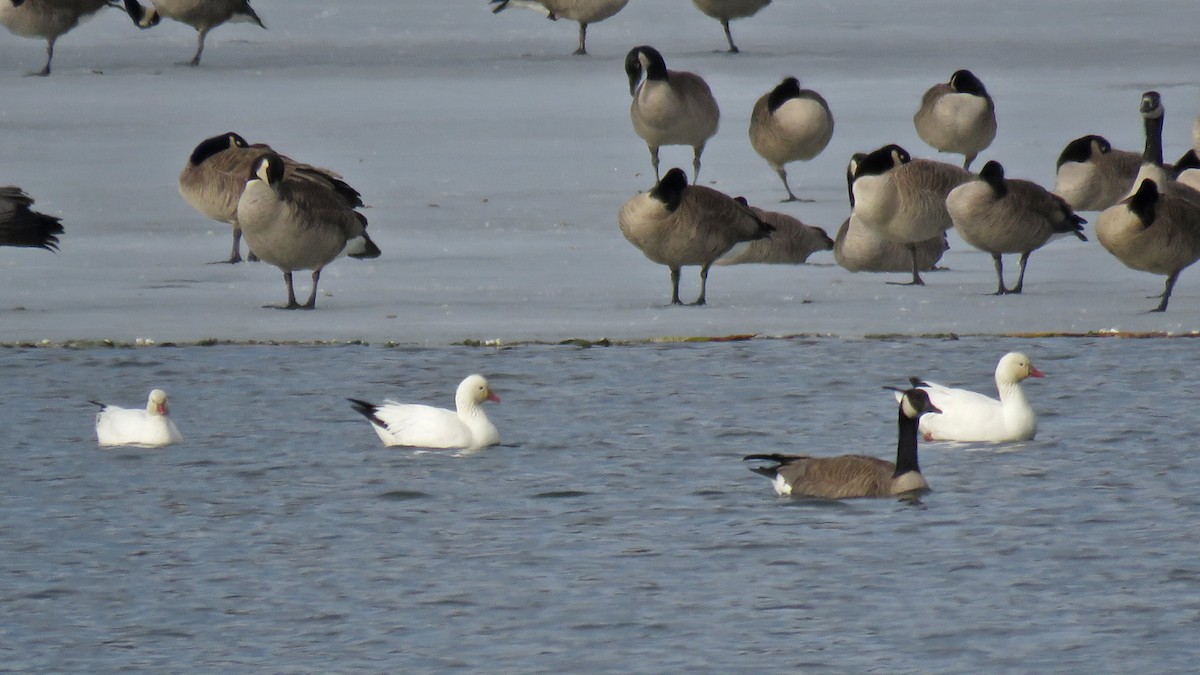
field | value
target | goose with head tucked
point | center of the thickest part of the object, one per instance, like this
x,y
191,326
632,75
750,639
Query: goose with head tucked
x,y
791,243
848,476
582,11
968,416
1093,176
47,19
150,427
297,224
467,427
790,124
903,199
670,107
1000,215
728,10
201,15
677,224
958,116
1187,169
21,226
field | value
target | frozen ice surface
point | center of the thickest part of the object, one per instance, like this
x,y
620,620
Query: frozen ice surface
x,y
494,163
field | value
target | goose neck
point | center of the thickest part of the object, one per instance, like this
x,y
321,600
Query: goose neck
x,y
906,446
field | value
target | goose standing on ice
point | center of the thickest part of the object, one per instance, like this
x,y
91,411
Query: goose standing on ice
x,y
677,224
903,199
670,107
21,226
958,116
46,19
971,417
999,215
582,11
847,476
415,425
728,10
214,176
150,427
297,224
1092,176
791,243
790,124
202,15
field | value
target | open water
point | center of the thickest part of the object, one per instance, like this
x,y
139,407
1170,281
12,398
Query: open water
x,y
616,529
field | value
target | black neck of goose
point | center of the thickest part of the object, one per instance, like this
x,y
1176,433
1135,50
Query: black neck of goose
x,y
208,148
1154,151
906,447
786,91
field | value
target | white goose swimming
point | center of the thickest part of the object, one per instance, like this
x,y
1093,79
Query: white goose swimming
x,y
423,426
971,417
150,427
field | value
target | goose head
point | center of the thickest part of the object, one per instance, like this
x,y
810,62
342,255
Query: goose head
x,y
473,391
1014,367
142,17
784,92
992,173
211,146
1083,149
1144,202
851,169
965,82
269,169
670,189
157,404
1152,112
645,59
915,402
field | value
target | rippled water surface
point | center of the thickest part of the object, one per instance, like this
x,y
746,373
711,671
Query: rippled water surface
x,y
616,529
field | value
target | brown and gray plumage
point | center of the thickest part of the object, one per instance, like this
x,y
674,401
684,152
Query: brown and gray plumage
x,y
903,199
857,248
21,226
670,107
1092,176
215,173
1153,231
46,19
790,124
677,224
728,10
958,116
1000,215
791,243
202,15
298,224
847,476
583,11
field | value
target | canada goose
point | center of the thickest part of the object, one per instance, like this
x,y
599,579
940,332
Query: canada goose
x,y
21,226
791,243
202,15
583,11
214,176
903,199
150,427
728,10
957,116
1187,169
1092,176
46,19
968,416
999,215
467,427
1153,231
790,124
857,248
847,476
298,224
1153,113
675,224
670,107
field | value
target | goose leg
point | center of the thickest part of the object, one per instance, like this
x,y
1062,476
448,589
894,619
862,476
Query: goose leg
x,y
654,162
1166,295
791,195
700,301
729,36
968,159
235,255
199,48
916,272
696,163
582,51
675,287
1021,276
312,296
49,57
1000,289
291,294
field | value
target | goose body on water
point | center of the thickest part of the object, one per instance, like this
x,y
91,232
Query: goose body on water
x,y
582,11
676,224
968,416
215,173
1000,215
790,124
670,107
791,243
958,116
150,427
1092,176
21,226
728,10
467,427
297,224
848,476
903,199
202,15
46,19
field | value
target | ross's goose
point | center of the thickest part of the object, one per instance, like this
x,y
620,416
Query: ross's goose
x,y
855,475
150,427
971,417
423,426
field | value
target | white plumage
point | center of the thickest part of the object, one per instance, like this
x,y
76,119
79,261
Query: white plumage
x,y
972,417
150,427
423,426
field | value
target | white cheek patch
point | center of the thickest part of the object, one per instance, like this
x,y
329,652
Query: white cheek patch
x,y
782,487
